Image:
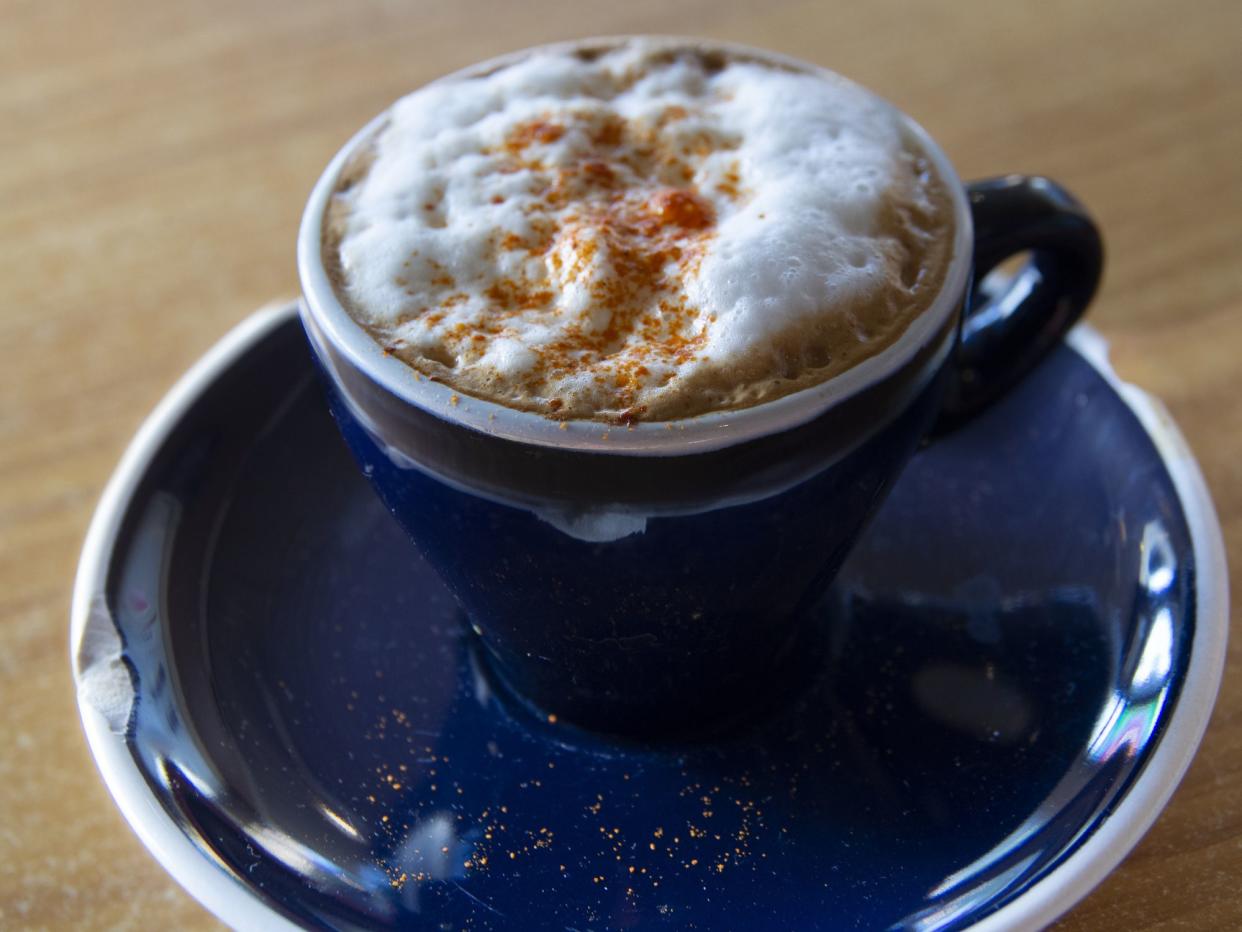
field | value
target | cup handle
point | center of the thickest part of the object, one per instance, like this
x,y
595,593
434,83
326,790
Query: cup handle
x,y
1006,331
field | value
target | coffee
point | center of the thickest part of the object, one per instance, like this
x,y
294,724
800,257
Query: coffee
x,y
643,231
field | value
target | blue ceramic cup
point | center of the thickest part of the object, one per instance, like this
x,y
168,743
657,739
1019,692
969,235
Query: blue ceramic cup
x,y
662,578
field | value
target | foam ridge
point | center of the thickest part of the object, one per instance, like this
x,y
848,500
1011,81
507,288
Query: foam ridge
x,y
645,233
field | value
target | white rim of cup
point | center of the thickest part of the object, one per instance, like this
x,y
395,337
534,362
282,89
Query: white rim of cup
x,y
652,438
1050,897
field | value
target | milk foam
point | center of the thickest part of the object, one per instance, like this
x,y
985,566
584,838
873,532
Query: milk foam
x,y
640,234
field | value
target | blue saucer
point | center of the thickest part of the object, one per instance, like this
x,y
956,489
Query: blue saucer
x,y
1022,655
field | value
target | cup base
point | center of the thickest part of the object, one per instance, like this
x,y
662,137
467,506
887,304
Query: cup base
x,y
685,713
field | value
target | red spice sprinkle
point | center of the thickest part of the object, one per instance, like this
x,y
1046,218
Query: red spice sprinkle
x,y
533,131
681,209
610,133
599,173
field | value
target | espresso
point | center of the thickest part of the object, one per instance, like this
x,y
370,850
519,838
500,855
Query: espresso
x,y
641,232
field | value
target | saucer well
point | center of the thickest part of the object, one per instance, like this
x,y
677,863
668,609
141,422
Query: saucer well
x,y
1022,654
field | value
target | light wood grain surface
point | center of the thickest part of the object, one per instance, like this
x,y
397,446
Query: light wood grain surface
x,y
154,163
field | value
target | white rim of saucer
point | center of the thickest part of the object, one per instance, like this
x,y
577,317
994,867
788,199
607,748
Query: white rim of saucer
x,y
216,889
236,904
710,431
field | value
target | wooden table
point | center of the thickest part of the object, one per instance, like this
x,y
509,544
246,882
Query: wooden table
x,y
155,161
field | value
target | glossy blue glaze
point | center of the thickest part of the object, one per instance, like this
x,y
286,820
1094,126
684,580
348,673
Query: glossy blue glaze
x,y
687,624
1002,650
650,595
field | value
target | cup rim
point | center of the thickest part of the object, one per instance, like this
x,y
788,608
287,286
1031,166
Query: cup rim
x,y
700,433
